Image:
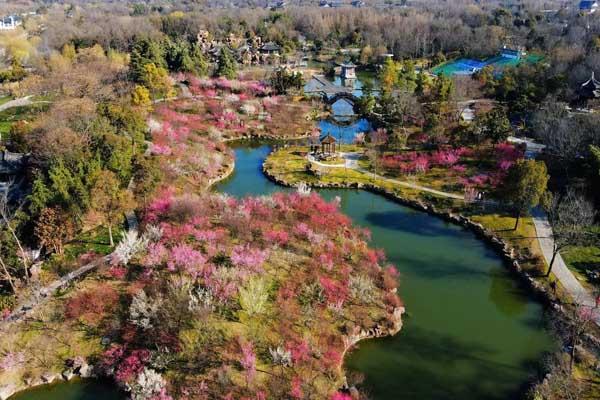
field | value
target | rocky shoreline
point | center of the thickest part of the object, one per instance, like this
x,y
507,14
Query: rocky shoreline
x,y
72,371
376,332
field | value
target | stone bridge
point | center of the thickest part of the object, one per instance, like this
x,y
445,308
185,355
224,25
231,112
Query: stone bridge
x,y
320,85
342,95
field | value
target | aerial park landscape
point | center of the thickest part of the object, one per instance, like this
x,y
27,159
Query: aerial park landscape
x,y
205,202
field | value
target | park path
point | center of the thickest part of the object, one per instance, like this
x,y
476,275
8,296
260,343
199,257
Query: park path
x,y
574,288
351,162
578,293
20,102
42,295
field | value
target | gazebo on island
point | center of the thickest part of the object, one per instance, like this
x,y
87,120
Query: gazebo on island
x,y
328,144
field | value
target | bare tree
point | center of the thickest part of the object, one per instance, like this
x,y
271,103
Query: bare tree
x,y
7,218
570,217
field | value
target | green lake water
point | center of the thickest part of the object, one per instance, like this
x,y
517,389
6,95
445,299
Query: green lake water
x,y
87,389
471,332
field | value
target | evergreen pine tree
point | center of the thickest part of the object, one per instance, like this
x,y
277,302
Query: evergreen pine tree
x,y
226,64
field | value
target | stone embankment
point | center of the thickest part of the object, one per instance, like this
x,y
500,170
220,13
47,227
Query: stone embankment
x,y
73,369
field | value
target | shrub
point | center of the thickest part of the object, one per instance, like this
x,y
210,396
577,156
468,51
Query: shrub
x,y
92,305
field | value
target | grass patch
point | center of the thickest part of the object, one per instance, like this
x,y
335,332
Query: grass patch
x,y
24,113
5,99
94,240
581,260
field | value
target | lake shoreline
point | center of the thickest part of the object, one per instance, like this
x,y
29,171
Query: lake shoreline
x,y
500,246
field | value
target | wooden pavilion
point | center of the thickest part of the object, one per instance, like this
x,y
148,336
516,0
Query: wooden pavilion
x,y
328,144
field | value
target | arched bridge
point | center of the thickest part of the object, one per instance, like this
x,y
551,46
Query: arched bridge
x,y
341,95
320,85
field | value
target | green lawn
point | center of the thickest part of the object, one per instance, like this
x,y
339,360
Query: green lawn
x,y
582,259
5,99
95,240
27,113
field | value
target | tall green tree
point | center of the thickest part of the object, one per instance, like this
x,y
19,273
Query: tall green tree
x,y
525,187
420,83
199,62
110,200
283,80
442,89
365,104
226,64
494,125
145,51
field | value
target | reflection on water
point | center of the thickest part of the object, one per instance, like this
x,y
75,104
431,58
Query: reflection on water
x,y
471,331
344,133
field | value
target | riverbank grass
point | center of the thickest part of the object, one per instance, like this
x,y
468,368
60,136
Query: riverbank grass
x,y
290,165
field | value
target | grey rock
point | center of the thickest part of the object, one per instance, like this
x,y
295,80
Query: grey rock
x,y
68,374
49,377
86,371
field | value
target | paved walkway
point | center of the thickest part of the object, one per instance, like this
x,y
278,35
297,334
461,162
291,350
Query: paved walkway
x,y
579,294
20,102
42,295
352,163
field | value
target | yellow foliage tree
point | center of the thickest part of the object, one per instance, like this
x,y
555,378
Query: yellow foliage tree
x,y
157,80
68,52
141,96
110,200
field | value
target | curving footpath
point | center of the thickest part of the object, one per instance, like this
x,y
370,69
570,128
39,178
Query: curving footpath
x,y
21,102
572,286
352,163
563,274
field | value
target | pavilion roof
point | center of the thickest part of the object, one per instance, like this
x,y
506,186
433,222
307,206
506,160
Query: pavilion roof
x,y
591,88
328,139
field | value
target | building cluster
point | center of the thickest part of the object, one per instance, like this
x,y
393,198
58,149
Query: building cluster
x,y
246,51
10,22
341,3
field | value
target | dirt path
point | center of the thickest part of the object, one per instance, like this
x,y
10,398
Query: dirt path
x,y
20,102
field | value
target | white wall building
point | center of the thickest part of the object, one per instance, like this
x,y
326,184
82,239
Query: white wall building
x,y
10,22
